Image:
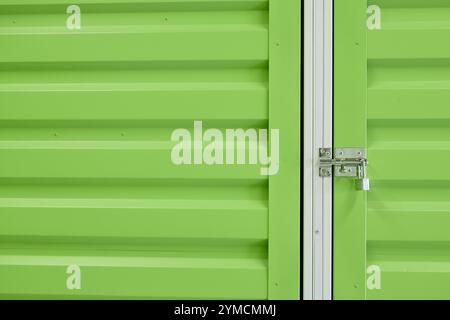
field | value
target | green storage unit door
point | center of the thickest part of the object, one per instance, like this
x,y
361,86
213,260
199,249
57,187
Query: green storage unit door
x,y
86,178
395,93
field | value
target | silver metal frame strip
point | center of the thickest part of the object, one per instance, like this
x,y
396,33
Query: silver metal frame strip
x,y
318,133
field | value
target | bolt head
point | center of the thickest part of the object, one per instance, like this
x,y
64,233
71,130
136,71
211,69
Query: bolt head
x,y
325,172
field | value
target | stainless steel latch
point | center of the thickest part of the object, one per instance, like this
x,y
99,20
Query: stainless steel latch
x,y
347,162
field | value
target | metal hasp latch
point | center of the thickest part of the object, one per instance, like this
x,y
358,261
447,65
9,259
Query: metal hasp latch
x,y
347,162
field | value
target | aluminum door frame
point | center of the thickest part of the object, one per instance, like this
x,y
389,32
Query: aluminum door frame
x,y
318,133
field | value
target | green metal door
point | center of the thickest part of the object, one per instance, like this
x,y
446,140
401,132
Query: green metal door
x,y
88,192
392,96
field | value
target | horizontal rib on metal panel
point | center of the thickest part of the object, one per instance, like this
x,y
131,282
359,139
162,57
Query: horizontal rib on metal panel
x,y
85,172
408,136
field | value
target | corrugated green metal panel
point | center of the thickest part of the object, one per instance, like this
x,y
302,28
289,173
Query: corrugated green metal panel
x,y
408,133
408,219
85,173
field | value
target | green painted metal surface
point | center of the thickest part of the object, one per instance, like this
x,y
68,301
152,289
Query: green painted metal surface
x,y
86,177
392,96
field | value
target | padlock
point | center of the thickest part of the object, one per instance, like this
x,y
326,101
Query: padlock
x,y
364,184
